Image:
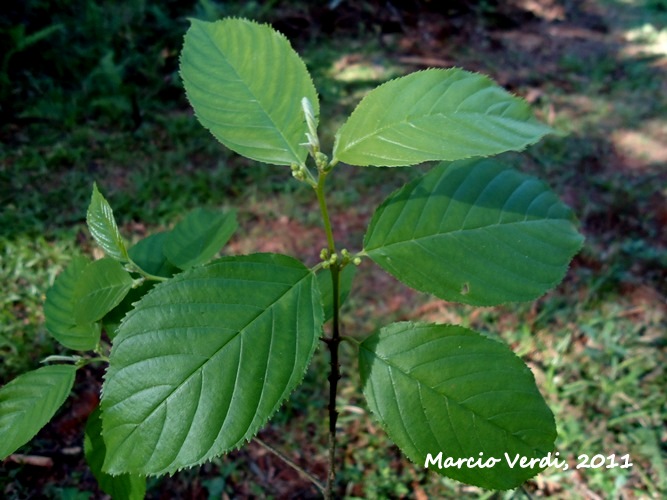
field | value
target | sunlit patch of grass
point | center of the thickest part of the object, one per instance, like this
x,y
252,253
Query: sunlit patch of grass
x,y
28,266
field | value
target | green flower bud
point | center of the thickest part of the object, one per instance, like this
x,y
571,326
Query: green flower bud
x,y
299,175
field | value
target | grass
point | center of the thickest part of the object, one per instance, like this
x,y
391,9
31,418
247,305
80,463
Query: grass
x,y
596,344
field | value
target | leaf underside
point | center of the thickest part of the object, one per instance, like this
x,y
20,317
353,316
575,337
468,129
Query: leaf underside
x,y
29,401
443,388
474,232
205,359
60,307
435,114
245,83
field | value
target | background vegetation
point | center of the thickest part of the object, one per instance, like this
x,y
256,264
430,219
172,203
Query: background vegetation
x,y
89,91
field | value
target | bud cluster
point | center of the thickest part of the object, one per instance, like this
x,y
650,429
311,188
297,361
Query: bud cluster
x,y
301,172
322,162
344,259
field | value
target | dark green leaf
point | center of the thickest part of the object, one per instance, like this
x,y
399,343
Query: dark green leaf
x,y
199,237
60,307
435,115
326,287
442,388
475,232
111,321
148,254
245,83
205,359
29,401
103,228
101,287
123,486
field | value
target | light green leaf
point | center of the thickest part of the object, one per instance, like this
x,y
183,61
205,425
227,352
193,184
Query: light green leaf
x,y
103,228
475,232
442,388
123,486
60,306
199,237
326,288
245,83
102,285
29,401
435,115
148,254
205,359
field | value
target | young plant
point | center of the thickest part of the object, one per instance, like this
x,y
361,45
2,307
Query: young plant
x,y
203,353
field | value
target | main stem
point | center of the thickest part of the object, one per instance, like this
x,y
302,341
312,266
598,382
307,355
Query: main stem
x,y
332,342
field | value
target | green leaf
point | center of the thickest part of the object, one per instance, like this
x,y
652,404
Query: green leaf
x,y
103,228
112,320
29,401
60,307
474,232
125,486
102,285
435,115
442,388
148,254
326,288
205,359
199,237
245,83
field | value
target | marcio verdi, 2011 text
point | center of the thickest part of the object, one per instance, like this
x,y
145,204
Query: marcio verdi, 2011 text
x,y
550,460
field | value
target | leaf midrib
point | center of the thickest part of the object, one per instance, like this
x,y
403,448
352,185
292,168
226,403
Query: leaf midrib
x,y
448,399
260,102
206,360
406,121
457,231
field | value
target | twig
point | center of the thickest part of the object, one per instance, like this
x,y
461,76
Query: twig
x,y
292,464
34,460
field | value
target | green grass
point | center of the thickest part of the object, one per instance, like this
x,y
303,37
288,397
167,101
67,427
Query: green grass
x,y
596,344
28,266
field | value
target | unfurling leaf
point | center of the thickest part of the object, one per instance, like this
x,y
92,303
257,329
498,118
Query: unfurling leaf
x,y
103,228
